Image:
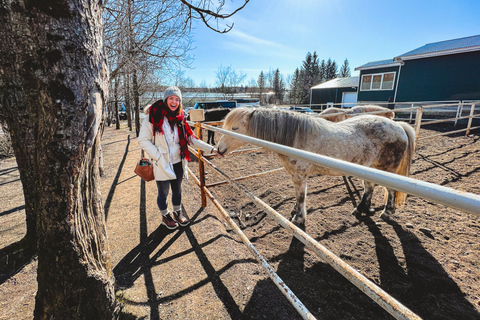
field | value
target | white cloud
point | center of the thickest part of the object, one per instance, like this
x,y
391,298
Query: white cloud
x,y
240,41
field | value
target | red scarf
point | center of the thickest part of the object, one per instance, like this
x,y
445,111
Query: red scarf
x,y
157,113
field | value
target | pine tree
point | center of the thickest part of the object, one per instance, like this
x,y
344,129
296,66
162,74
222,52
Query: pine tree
x,y
295,87
261,86
278,87
331,70
345,69
309,76
316,77
323,71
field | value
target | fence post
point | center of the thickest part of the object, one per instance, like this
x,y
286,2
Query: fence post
x,y
201,167
459,112
418,123
470,119
411,112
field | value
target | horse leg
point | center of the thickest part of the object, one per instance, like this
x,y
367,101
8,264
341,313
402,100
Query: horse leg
x,y
389,206
365,203
299,211
211,136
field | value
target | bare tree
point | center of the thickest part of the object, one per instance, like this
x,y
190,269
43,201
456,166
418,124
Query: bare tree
x,y
155,39
228,80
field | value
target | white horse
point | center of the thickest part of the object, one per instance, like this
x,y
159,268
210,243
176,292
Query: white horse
x,y
336,114
371,141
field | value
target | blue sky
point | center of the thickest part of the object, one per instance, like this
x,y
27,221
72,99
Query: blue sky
x,y
271,34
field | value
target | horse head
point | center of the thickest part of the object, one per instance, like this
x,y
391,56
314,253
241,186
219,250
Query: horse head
x,y
237,121
333,114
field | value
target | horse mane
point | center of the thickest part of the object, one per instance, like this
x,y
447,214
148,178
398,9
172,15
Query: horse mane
x,y
275,125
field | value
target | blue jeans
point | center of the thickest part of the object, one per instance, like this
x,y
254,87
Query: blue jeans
x,y
176,185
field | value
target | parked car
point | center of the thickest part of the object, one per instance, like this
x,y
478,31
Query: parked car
x,y
122,113
215,104
306,110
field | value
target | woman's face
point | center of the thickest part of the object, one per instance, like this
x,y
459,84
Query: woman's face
x,y
173,102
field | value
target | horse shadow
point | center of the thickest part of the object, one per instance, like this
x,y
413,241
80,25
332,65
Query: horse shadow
x,y
435,293
322,290
267,301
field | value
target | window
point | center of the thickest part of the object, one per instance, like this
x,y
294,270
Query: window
x,y
378,81
387,83
366,80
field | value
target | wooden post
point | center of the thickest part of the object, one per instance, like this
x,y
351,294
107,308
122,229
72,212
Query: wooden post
x,y
470,119
201,167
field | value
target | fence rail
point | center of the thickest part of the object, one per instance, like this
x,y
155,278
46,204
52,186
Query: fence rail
x,y
464,201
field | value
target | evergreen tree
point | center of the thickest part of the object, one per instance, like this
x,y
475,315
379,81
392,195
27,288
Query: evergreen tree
x,y
323,71
294,95
261,86
331,70
278,87
310,75
345,69
316,77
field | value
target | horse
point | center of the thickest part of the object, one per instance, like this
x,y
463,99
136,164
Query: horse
x,y
336,114
216,114
333,114
372,141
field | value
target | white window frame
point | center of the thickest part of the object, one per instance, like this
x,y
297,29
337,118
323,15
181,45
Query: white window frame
x,y
372,75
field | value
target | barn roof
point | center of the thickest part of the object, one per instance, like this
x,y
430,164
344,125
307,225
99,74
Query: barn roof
x,y
447,47
453,46
338,83
378,64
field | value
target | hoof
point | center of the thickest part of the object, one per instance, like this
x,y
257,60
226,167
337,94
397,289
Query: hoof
x,y
356,213
385,216
296,220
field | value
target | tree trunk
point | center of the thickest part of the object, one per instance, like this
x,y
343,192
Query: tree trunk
x,y
115,96
53,86
136,99
128,108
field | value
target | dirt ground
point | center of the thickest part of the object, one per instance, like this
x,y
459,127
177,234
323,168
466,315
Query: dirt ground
x,y
426,257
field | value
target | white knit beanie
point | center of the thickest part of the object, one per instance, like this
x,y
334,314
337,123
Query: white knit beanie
x,y
172,91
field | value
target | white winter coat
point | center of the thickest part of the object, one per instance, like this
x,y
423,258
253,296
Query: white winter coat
x,y
159,153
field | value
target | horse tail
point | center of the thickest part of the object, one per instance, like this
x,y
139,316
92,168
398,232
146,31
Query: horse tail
x,y
404,167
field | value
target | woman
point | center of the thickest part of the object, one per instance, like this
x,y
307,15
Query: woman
x,y
165,136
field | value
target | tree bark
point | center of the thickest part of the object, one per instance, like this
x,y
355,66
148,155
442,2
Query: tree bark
x,y
53,86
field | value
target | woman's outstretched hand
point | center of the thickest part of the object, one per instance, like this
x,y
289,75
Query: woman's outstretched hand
x,y
215,151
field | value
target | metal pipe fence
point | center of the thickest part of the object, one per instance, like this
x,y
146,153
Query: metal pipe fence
x,y
442,195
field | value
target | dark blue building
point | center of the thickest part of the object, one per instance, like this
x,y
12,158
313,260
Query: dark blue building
x,y
440,71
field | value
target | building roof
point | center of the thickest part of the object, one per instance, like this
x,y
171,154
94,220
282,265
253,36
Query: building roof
x,y
338,83
378,64
447,47
453,46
